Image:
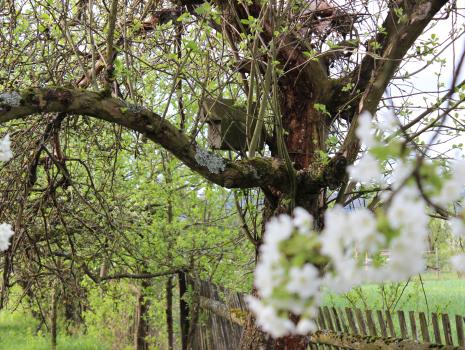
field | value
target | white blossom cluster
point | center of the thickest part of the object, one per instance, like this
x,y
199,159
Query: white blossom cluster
x,y
284,287
289,283
5,150
360,231
5,233
5,230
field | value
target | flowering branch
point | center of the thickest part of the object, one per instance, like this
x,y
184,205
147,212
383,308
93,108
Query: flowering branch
x,y
298,265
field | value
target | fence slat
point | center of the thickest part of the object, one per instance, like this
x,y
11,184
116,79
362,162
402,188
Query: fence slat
x,y
351,320
321,319
323,325
402,324
337,322
447,329
413,325
371,323
424,327
459,327
327,316
361,321
345,326
392,330
382,324
437,334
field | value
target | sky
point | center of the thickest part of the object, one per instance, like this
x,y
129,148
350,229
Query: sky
x,y
427,81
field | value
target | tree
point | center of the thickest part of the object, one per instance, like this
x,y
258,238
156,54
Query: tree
x,y
303,72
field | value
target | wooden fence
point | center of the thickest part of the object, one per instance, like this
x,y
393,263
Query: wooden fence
x,y
419,326
219,326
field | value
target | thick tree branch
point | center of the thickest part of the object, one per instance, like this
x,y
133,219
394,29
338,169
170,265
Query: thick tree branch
x,y
376,73
247,173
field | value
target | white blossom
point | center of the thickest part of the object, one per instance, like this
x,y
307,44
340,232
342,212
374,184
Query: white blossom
x,y
365,130
303,220
452,189
333,234
294,305
366,170
306,326
387,121
402,170
5,150
267,277
304,281
408,211
406,258
278,229
458,227
5,234
362,223
268,319
458,170
458,263
344,279
345,233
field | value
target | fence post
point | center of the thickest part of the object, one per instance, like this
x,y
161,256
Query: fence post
x,y
459,327
382,324
437,334
447,330
402,324
337,322
361,321
371,323
340,312
392,330
351,320
413,325
424,327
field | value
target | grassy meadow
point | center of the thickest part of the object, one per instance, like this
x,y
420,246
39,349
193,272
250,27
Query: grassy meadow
x,y
440,294
443,294
17,333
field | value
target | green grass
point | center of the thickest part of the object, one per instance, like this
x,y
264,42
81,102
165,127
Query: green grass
x,y
16,333
443,295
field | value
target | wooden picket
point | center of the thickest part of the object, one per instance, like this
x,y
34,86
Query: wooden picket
x,y
222,324
459,326
418,328
424,327
437,334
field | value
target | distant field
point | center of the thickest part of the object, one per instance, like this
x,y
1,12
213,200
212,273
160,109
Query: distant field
x,y
445,294
16,333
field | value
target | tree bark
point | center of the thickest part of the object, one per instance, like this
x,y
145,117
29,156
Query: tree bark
x,y
307,130
141,319
53,318
169,312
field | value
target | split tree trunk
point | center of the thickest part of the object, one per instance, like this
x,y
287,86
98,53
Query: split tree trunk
x,y
141,325
307,131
